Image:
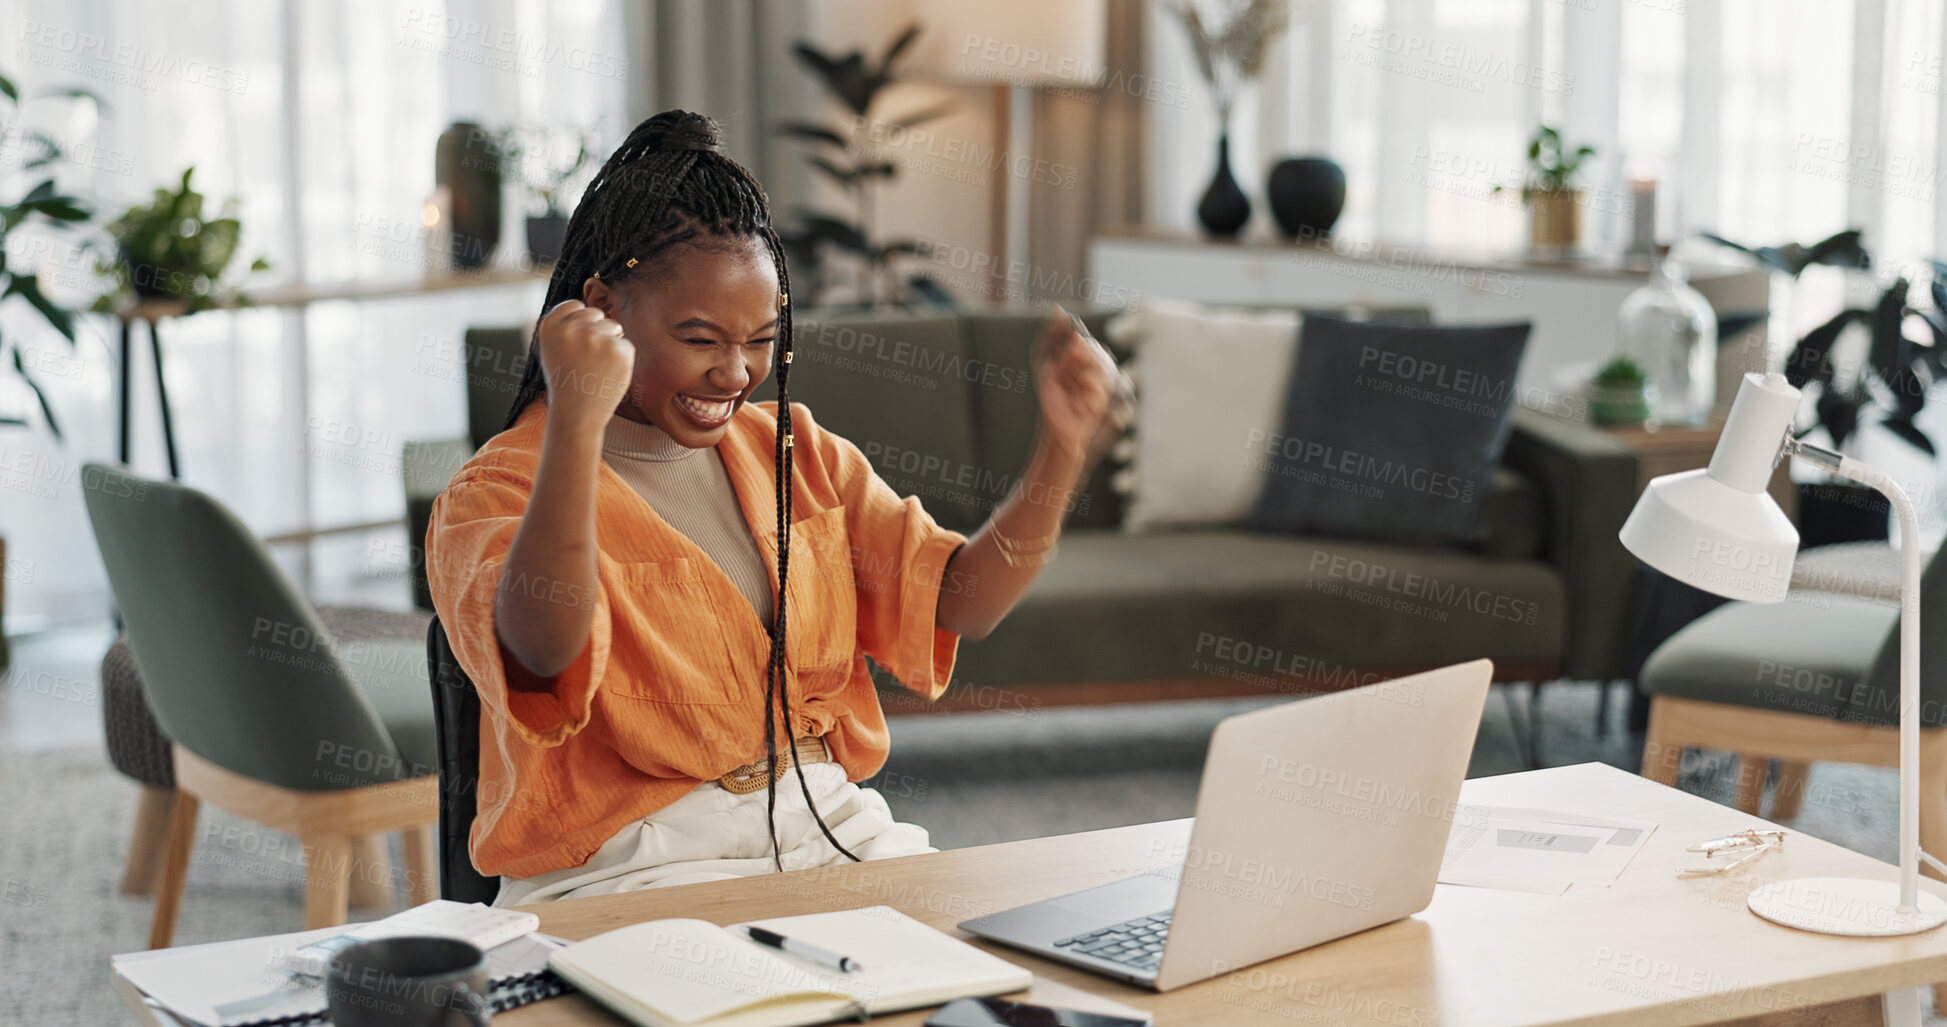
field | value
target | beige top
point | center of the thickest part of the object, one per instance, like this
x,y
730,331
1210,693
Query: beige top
x,y
690,489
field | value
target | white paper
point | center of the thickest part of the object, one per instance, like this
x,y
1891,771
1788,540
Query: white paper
x,y
1545,851
234,982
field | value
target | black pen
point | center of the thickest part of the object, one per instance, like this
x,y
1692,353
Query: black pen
x,y
803,950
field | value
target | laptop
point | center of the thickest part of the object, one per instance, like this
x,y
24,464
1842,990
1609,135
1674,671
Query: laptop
x,y
1316,819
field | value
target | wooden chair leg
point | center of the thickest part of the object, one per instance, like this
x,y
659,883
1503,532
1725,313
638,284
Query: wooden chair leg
x,y
1751,772
1662,754
327,879
1788,789
422,872
371,873
175,869
149,839
1933,801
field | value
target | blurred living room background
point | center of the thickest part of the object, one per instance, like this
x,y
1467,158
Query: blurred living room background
x,y
287,253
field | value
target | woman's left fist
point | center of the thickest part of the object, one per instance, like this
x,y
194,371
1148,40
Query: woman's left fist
x,y
1085,398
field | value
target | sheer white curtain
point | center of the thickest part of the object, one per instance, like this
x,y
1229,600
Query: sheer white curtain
x,y
1427,104
320,120
1764,120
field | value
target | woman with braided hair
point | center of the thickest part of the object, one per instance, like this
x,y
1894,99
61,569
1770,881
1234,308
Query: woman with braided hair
x,y
652,649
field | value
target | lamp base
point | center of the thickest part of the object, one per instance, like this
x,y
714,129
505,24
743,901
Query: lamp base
x,y
1852,906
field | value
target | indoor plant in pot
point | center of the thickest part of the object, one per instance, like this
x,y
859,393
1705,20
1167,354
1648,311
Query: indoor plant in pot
x,y
847,155
546,160
1620,393
1229,55
168,250
1887,389
1551,192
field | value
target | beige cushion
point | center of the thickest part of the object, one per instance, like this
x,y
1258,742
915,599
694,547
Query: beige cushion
x,y
1209,383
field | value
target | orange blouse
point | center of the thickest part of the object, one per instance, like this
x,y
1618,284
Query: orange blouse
x,y
670,689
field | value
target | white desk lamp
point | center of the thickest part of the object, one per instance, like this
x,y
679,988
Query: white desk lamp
x,y
1719,530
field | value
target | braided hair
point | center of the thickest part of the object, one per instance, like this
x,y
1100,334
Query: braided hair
x,y
669,185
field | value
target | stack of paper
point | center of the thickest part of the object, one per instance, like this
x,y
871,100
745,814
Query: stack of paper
x,y
1538,850
236,983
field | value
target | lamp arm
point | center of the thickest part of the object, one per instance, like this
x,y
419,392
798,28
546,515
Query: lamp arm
x,y
1846,467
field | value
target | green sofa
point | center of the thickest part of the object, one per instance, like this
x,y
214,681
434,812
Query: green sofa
x,y
944,406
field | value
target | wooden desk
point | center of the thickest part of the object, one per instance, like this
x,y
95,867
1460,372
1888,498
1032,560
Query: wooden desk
x,y
1652,949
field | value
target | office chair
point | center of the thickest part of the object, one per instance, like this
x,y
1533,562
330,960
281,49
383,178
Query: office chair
x,y
271,717
146,755
456,714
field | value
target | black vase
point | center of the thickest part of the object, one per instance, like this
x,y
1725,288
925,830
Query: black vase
x,y
1307,194
1224,207
467,163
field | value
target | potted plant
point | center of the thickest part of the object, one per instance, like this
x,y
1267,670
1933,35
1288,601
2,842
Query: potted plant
x,y
1620,393
546,160
1229,57
1551,193
168,250
40,205
847,156
1891,382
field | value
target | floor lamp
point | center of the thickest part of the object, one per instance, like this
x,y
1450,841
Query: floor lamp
x,y
1719,530
1014,46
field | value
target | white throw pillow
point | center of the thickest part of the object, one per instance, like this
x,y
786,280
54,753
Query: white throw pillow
x,y
1206,380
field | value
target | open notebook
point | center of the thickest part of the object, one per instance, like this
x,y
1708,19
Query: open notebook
x,y
678,973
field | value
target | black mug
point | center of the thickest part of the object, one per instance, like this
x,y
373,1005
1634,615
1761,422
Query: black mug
x,y
408,982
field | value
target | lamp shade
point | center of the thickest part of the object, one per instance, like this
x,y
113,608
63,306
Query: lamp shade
x,y
1717,528
1011,42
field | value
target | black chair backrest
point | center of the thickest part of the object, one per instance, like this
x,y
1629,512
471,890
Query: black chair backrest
x,y
456,718
495,360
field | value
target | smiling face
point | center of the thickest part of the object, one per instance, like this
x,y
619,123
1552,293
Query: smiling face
x,y
703,326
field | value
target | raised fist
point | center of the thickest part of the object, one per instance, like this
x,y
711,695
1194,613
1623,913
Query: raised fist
x,y
587,361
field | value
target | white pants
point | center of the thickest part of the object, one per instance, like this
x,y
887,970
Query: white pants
x,y
715,835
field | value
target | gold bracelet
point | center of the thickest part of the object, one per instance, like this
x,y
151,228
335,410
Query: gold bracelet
x,y
1024,554
1042,558
1019,546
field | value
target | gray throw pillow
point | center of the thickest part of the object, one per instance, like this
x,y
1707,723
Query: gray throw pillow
x,y
1390,431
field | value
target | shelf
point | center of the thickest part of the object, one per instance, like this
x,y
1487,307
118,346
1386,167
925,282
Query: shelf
x,y
305,294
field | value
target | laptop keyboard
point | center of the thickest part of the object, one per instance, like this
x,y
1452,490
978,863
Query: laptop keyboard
x,y
1134,943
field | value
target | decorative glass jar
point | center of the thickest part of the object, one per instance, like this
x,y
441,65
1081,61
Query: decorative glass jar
x,y
1670,329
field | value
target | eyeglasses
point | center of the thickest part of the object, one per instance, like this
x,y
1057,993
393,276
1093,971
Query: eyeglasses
x,y
1742,847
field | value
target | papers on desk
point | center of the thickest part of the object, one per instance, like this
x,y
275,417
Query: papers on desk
x,y
1537,850
234,983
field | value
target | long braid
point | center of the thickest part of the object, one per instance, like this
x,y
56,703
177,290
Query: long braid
x,y
668,184
785,480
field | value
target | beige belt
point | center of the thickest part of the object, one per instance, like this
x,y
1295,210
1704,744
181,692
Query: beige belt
x,y
753,777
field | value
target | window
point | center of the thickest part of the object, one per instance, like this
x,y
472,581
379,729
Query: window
x,y
294,417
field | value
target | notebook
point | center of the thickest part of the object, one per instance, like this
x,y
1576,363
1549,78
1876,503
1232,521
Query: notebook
x,y
693,973
243,983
